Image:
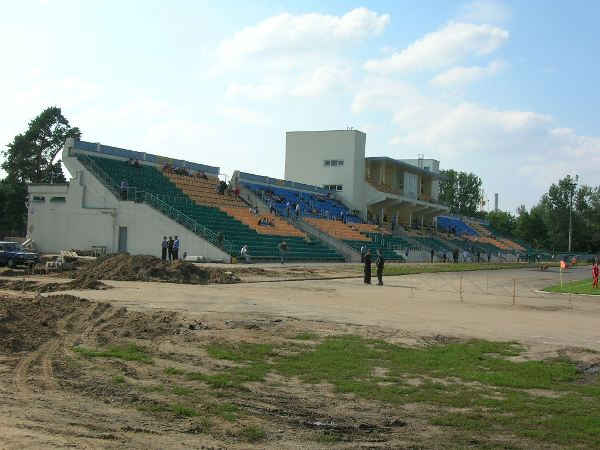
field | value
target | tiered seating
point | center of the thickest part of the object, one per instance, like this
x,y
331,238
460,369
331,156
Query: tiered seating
x,y
433,243
203,191
280,228
311,205
355,239
446,223
261,246
144,178
337,229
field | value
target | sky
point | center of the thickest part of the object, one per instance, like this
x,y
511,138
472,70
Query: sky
x,y
506,90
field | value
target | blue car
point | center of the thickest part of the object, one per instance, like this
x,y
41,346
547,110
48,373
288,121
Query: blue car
x,y
13,255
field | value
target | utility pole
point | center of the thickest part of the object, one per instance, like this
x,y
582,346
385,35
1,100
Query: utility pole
x,y
572,193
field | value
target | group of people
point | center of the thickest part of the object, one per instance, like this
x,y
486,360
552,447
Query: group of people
x,y
379,264
282,247
264,222
169,248
133,163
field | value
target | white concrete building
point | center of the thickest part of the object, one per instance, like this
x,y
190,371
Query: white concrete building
x,y
375,186
84,213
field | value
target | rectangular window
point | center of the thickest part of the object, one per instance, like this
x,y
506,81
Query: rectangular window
x,y
339,187
58,199
38,199
333,162
327,162
340,162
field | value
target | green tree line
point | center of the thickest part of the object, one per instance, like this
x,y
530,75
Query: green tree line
x,y
546,225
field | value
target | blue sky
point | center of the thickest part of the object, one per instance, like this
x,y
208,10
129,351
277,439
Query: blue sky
x,y
507,90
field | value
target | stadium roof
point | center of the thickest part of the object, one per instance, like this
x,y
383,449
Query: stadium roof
x,y
407,166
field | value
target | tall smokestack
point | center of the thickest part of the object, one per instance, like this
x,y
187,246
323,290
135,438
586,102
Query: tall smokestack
x,y
496,202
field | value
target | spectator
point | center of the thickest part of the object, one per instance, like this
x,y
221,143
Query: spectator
x,y
445,256
220,238
163,248
244,254
465,255
297,210
307,240
176,248
394,221
170,243
283,249
489,256
432,252
124,189
236,191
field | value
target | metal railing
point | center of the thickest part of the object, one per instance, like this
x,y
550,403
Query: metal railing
x,y
159,203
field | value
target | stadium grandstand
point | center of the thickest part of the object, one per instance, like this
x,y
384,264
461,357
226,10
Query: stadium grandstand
x,y
333,202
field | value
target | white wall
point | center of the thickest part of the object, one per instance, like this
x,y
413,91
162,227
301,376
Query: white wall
x,y
92,216
306,151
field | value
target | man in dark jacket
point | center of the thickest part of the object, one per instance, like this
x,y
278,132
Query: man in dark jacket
x,y
379,263
368,267
170,248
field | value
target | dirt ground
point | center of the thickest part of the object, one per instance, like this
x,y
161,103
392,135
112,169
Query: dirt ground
x,y
51,398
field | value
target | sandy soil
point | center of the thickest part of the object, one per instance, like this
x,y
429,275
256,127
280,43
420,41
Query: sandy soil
x,y
50,399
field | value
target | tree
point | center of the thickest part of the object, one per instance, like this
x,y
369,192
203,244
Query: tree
x,y
461,192
31,158
502,222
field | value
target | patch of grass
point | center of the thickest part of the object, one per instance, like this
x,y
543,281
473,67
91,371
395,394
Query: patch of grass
x,y
306,336
118,379
183,391
155,388
327,438
407,269
475,376
174,371
226,411
127,352
240,352
578,287
254,434
233,377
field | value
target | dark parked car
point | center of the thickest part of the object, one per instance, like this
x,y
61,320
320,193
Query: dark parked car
x,y
13,255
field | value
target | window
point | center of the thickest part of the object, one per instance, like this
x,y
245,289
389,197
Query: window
x,y
334,187
327,162
38,199
58,199
334,162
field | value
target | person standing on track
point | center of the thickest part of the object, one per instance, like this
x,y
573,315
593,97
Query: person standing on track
x,y
379,263
368,267
176,248
163,248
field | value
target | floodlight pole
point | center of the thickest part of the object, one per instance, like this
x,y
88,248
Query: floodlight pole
x,y
572,192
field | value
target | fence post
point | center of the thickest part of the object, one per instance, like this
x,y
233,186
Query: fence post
x,y
514,302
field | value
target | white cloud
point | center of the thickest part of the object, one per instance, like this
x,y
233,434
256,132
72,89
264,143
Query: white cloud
x,y
294,55
442,48
460,75
484,11
285,37
243,115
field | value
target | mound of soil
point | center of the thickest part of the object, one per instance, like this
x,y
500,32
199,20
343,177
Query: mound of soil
x,y
26,323
83,281
126,267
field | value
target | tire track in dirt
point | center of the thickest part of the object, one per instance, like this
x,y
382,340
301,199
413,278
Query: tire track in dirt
x,y
45,352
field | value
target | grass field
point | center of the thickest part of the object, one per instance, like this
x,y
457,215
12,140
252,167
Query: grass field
x,y
407,269
578,287
471,386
